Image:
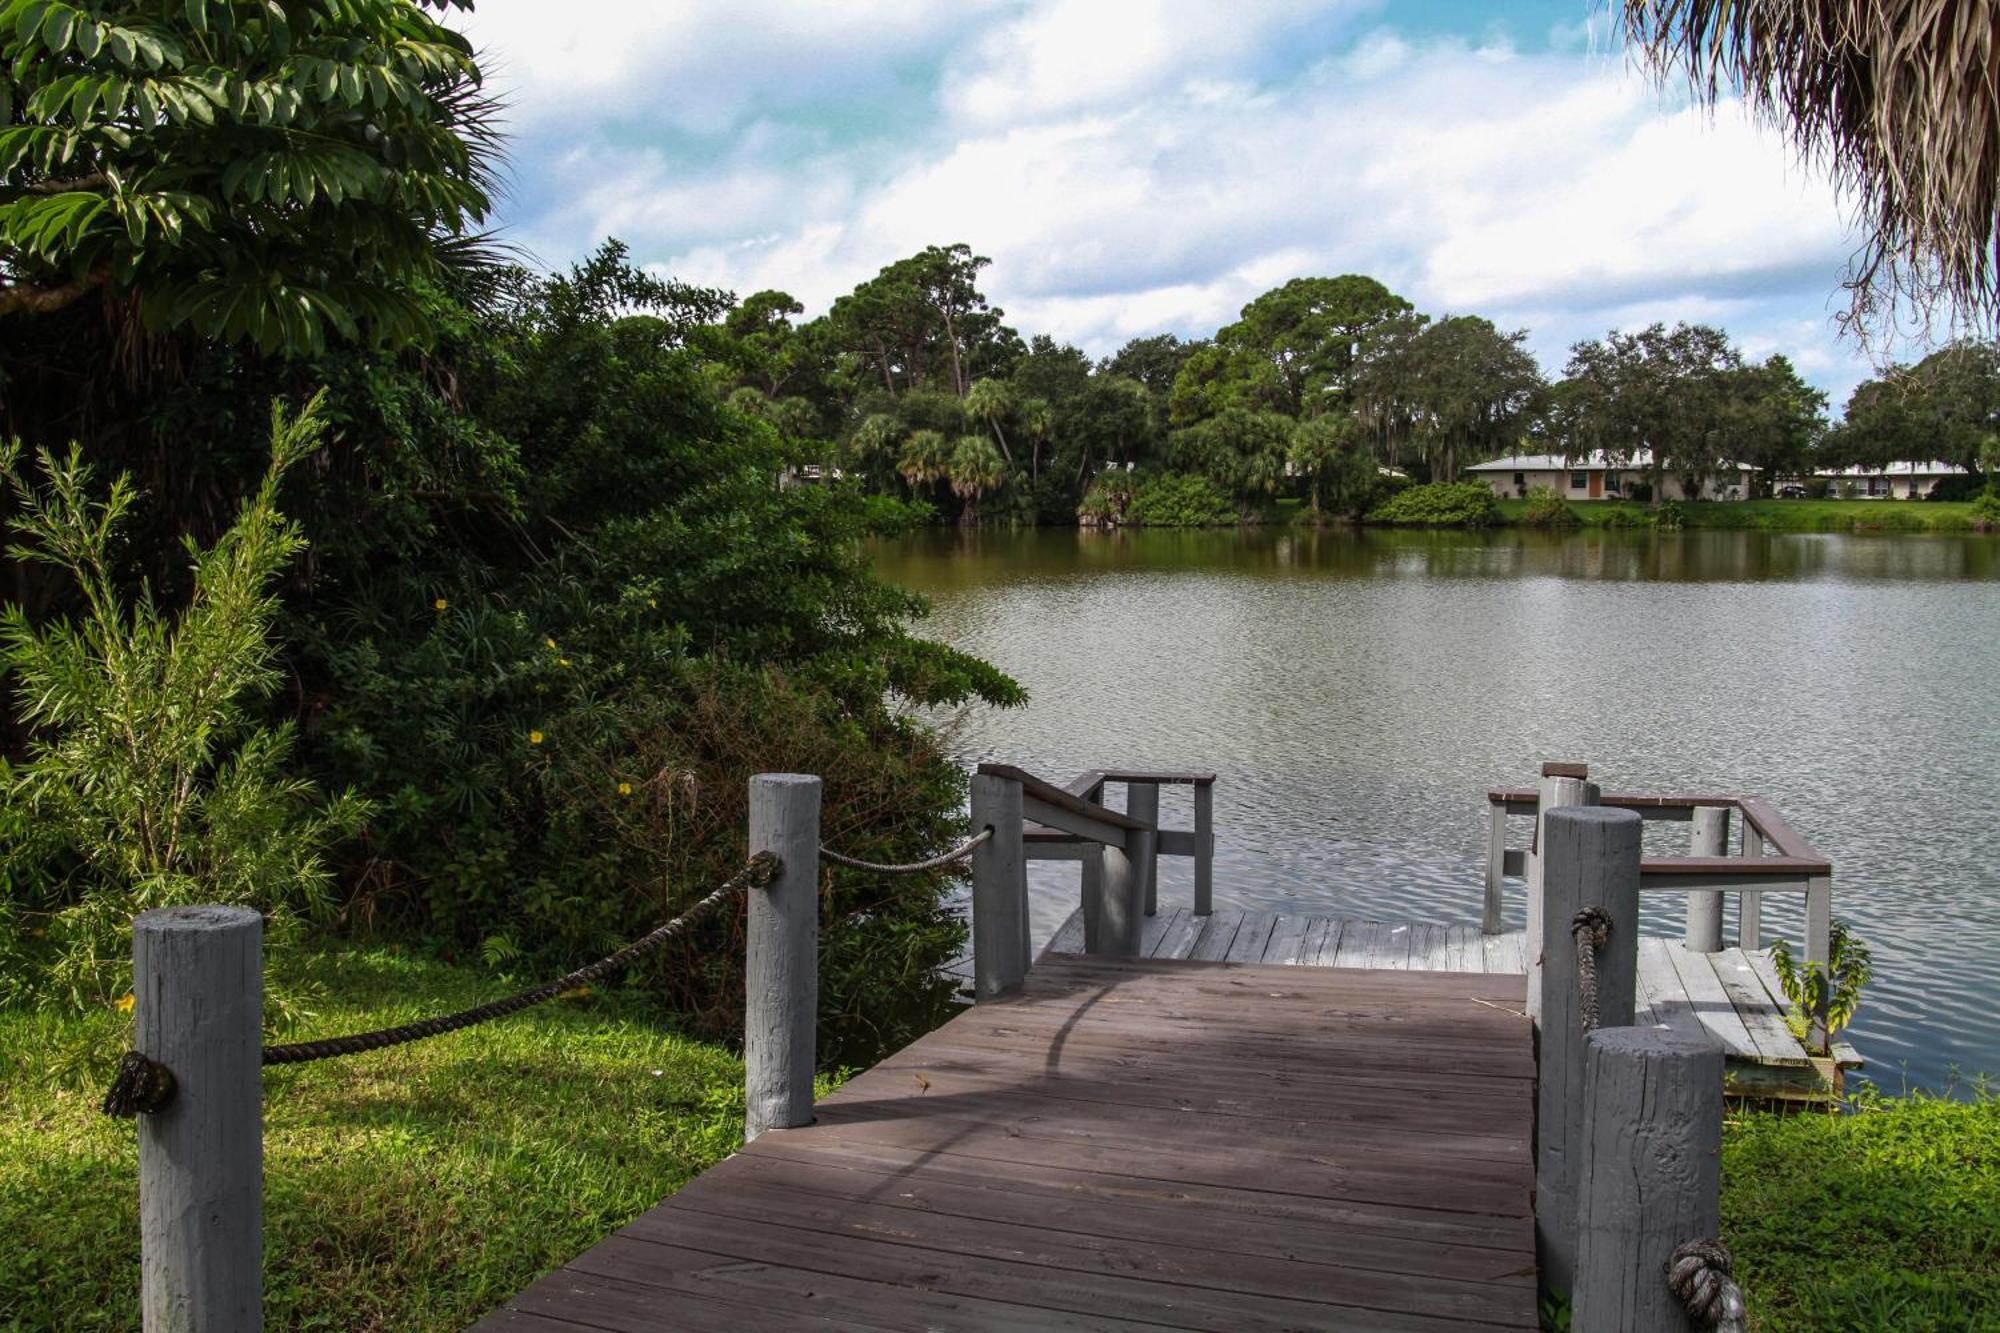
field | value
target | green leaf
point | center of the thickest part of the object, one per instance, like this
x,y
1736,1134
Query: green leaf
x,y
197,15
58,28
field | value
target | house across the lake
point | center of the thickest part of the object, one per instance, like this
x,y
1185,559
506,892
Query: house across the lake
x,y
1599,476
1895,481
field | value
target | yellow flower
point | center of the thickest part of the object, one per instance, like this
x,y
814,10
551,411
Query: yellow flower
x,y
653,602
125,1003
550,642
534,738
624,789
562,661
440,604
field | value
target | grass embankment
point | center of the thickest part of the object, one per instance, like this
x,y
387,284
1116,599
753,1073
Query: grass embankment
x,y
420,1187
414,1188
1777,515
1886,1219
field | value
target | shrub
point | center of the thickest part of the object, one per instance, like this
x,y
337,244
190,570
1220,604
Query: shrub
x,y
891,515
1668,516
1546,509
1621,517
1178,500
147,781
1439,504
1986,510
1107,499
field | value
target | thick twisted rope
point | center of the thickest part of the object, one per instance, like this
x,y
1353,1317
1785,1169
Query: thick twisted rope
x,y
143,1084
1590,927
957,853
1701,1274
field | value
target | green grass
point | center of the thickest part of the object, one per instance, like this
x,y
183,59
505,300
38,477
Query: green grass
x,y
1885,1219
1783,515
415,1188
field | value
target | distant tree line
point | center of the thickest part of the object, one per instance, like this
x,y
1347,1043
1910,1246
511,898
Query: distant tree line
x,y
1326,389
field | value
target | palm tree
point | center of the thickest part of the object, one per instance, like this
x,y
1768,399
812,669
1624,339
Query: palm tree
x,y
1038,423
1896,99
989,400
976,468
926,458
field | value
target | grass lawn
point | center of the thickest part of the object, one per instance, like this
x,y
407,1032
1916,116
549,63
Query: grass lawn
x,y
1885,1219
1782,515
413,1188
420,1187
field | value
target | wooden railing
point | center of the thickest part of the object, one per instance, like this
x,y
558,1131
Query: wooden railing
x,y
1776,858
1035,820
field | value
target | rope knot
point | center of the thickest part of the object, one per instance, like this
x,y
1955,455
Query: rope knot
x,y
141,1084
1701,1274
1590,927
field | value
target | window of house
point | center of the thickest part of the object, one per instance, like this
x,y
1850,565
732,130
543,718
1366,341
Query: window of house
x,y
1578,480
1611,482
1520,479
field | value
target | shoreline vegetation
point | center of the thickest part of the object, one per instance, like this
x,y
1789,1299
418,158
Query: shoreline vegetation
x,y
421,1187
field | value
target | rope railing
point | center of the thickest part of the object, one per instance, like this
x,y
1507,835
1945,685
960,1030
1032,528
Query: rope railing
x,y
1591,928
957,853
141,1084
1701,1274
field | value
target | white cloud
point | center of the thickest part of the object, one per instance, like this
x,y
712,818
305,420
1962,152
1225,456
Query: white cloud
x,y
1158,171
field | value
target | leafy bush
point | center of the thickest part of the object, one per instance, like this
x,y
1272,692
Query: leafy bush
x,y
1668,516
1622,517
1440,504
891,515
1986,510
147,781
1178,500
1546,509
1108,498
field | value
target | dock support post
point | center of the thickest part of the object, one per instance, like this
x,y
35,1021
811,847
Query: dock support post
x,y
1704,906
1749,902
781,979
1121,918
1650,1173
1496,866
1590,858
1562,784
1093,898
1142,801
198,996
1818,948
1000,936
1204,849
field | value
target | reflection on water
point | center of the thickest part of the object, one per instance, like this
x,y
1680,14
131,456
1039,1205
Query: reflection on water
x,y
1357,693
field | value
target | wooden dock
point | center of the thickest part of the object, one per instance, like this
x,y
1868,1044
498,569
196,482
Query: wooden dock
x,y
1733,994
1123,1144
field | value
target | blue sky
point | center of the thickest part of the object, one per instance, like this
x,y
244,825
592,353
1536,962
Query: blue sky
x,y
1139,166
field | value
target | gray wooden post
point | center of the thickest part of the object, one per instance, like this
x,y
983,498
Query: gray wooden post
x,y
1000,943
1650,1175
1749,902
1121,917
1562,784
1092,896
1590,858
1496,866
1818,946
1704,906
198,998
1142,801
1204,849
781,981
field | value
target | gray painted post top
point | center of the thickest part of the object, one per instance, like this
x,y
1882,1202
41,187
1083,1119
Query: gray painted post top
x,y
1597,814
206,916
1629,1041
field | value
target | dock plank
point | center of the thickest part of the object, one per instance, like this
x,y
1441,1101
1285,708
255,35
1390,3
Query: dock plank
x,y
1123,1143
1218,932
1710,1000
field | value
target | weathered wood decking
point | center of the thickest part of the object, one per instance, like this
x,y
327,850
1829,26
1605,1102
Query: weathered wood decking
x,y
1732,994
1122,1145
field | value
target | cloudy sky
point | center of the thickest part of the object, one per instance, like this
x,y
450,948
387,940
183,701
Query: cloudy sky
x,y
1139,166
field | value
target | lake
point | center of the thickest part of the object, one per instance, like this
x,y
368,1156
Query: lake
x,y
1357,693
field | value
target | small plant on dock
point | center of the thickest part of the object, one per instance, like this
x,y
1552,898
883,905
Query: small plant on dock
x,y
1834,990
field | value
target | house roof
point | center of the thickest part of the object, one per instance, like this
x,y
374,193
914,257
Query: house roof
x,y
1934,468
1598,460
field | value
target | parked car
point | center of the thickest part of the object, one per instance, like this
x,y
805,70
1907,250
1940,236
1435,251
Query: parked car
x,y
1792,492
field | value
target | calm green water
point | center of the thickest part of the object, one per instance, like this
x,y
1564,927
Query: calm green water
x,y
1357,693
